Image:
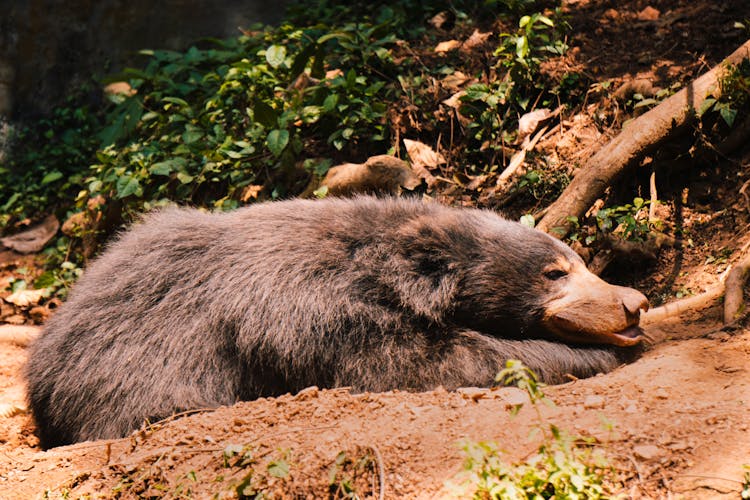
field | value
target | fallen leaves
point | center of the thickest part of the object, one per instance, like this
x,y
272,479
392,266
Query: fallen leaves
x,y
477,39
423,158
447,46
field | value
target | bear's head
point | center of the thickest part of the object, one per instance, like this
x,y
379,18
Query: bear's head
x,y
476,270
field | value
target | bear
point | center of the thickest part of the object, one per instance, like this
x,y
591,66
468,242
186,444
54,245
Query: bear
x,y
190,309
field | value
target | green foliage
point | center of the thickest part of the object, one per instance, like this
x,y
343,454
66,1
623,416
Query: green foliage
x,y
208,122
346,475
521,53
733,96
218,123
255,482
494,107
745,494
543,183
46,162
628,221
564,467
638,102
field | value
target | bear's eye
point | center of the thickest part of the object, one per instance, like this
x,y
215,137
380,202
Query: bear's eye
x,y
555,274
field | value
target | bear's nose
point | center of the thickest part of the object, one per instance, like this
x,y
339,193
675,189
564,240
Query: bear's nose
x,y
633,301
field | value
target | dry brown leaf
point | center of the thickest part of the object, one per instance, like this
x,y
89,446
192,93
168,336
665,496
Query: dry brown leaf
x,y
444,20
454,81
454,101
120,88
448,46
475,40
422,155
529,122
649,14
333,73
25,298
33,240
423,158
251,192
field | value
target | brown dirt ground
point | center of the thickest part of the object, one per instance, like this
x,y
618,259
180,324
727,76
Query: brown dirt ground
x,y
678,414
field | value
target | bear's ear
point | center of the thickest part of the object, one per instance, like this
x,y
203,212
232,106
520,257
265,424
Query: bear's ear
x,y
423,270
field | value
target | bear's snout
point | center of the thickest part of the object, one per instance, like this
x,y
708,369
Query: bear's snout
x,y
633,302
590,310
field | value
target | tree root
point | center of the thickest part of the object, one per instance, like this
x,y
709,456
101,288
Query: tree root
x,y
730,286
734,305
642,136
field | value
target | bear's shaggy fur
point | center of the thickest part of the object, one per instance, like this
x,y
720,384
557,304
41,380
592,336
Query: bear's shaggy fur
x,y
194,310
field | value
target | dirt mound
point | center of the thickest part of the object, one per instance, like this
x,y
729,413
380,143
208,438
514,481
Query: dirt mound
x,y
678,422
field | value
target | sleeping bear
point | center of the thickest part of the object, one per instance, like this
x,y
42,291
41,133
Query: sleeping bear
x,y
190,309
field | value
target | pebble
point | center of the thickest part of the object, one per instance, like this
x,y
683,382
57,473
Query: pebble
x,y
593,401
647,451
514,397
472,393
649,14
661,393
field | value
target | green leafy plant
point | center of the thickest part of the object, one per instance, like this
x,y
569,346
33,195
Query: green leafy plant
x,y
521,53
543,183
629,221
494,107
732,96
255,482
564,467
639,102
348,472
47,160
207,123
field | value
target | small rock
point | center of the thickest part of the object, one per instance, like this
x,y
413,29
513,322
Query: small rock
x,y
472,393
661,393
308,393
593,401
647,451
514,397
649,14
632,408
611,14
679,446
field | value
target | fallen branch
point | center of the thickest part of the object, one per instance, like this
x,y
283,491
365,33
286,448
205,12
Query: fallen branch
x,y
643,135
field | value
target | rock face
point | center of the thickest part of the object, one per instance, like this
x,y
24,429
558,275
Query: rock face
x,y
48,45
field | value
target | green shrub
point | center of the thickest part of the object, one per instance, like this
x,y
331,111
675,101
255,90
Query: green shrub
x,y
564,467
